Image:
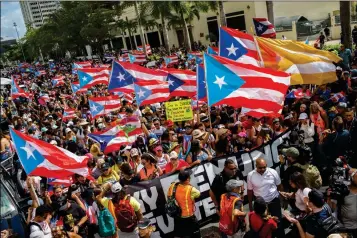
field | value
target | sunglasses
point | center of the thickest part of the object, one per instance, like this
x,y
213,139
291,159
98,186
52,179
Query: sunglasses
x,y
156,124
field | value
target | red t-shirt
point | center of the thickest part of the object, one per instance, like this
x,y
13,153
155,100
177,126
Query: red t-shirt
x,y
256,222
181,163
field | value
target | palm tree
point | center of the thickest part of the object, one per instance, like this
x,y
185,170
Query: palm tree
x,y
345,17
222,14
161,10
270,11
186,12
129,25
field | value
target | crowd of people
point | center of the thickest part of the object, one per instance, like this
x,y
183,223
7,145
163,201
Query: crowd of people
x,y
323,125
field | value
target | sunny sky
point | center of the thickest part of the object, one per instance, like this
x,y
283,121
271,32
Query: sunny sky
x,y
10,13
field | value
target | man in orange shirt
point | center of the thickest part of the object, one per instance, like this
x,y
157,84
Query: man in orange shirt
x,y
186,225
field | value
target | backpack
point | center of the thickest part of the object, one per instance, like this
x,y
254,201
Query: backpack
x,y
312,175
252,233
226,224
330,225
125,214
28,229
106,223
171,207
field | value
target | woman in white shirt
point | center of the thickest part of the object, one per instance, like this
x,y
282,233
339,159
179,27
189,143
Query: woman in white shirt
x,y
298,181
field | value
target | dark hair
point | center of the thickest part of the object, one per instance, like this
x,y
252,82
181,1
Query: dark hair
x,y
184,175
42,210
228,162
221,145
260,206
148,157
338,124
126,169
165,135
298,179
316,197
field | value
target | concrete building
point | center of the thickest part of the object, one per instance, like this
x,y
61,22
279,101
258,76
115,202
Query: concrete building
x,y
36,12
295,20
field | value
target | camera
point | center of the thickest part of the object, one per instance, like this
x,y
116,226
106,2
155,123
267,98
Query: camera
x,y
339,180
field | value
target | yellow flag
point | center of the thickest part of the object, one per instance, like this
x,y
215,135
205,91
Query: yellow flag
x,y
306,64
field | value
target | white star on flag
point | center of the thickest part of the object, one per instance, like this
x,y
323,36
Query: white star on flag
x,y
220,81
141,93
94,108
171,83
260,28
121,77
84,78
232,50
29,150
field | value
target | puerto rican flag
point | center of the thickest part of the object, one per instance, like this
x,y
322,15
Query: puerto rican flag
x,y
58,81
182,83
238,46
43,99
68,113
76,88
81,65
201,83
40,72
212,50
196,55
148,49
90,77
55,181
100,106
261,91
125,96
40,158
17,92
338,97
171,60
121,139
298,93
264,28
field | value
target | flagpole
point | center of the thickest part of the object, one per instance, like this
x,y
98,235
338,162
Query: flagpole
x,y
209,107
259,53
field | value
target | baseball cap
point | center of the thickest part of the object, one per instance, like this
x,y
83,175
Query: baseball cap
x,y
303,116
338,68
173,155
342,105
104,166
116,187
53,142
70,123
233,183
292,152
144,223
204,119
242,134
134,152
68,130
44,129
169,123
276,120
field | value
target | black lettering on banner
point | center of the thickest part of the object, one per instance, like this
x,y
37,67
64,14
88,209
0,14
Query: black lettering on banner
x,y
152,194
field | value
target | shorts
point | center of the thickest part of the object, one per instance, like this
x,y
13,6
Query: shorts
x,y
133,234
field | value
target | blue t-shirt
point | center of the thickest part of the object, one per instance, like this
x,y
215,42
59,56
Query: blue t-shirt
x,y
346,56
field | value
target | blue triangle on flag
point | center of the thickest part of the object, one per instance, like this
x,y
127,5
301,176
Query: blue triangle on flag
x,y
84,78
119,77
198,60
141,93
29,156
167,60
75,88
95,108
132,58
211,51
54,82
259,27
221,81
201,85
229,47
190,56
174,82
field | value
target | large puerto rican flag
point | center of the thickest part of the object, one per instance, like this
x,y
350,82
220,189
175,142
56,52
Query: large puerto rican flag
x,y
238,46
264,28
100,106
76,88
182,83
150,85
17,92
39,158
260,91
89,77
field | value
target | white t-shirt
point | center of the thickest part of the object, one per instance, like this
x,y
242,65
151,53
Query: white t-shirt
x,y
137,113
299,198
264,185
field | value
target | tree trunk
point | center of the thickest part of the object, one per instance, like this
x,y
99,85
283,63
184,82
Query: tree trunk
x,y
166,34
270,11
345,16
186,34
130,40
222,14
143,41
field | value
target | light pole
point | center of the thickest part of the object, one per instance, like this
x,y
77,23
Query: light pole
x,y
18,38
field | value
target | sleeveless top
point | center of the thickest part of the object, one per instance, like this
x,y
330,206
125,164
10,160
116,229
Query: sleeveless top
x,y
161,162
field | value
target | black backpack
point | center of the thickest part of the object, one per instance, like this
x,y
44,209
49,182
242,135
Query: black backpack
x,y
171,206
